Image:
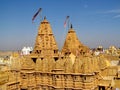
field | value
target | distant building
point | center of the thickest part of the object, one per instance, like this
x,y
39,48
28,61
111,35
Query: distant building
x,y
26,50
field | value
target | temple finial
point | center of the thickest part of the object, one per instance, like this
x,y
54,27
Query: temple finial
x,y
71,26
44,17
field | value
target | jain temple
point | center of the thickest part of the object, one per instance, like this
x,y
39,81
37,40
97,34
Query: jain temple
x,y
75,67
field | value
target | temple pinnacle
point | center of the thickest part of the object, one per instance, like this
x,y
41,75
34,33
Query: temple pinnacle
x,y
71,26
44,17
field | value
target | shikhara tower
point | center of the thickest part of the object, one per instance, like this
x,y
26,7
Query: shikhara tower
x,y
73,45
45,45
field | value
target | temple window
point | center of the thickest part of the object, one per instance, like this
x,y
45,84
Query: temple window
x,y
37,51
57,76
83,53
55,51
75,78
66,53
24,77
40,51
84,78
55,58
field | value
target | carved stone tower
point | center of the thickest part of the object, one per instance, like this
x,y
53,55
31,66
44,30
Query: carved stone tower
x,y
45,44
73,45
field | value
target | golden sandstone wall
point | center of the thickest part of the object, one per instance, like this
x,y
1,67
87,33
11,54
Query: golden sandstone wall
x,y
85,73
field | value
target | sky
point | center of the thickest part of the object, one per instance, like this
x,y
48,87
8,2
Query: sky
x,y
96,22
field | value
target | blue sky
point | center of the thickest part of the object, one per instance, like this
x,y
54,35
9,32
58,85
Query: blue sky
x,y
96,22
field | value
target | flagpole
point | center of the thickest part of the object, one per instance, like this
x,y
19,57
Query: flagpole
x,y
41,16
35,15
64,34
68,23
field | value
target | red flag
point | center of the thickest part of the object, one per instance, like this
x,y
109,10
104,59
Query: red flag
x,y
36,14
66,21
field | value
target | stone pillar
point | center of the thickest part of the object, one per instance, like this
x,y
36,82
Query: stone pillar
x,y
38,80
77,82
50,84
31,80
44,81
68,81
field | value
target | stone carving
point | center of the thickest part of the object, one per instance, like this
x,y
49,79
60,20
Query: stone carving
x,y
74,68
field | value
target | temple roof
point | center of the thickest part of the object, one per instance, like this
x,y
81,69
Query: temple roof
x,y
72,43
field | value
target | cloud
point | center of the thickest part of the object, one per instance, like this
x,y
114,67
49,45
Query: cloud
x,y
117,16
114,12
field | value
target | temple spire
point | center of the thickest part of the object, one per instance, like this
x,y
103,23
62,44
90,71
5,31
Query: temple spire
x,y
71,26
73,45
44,17
45,44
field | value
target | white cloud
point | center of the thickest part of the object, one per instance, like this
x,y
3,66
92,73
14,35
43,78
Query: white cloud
x,y
113,11
117,16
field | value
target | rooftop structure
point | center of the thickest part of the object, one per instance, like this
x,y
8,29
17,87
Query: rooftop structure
x,y
73,45
71,69
45,44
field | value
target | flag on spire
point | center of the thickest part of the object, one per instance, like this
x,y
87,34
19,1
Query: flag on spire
x,y
66,21
36,14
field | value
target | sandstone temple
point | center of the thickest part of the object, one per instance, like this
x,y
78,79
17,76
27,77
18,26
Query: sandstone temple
x,y
72,68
